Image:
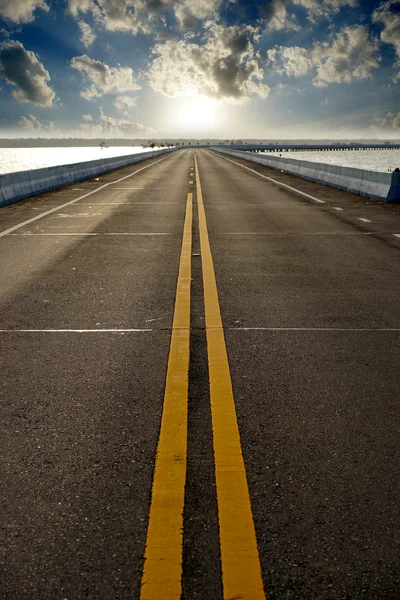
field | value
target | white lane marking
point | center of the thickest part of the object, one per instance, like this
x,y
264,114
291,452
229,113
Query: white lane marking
x,y
230,206
131,203
52,210
86,234
289,187
311,329
75,330
78,189
122,203
74,215
363,219
303,233
136,233
150,188
337,208
190,182
54,234
229,328
397,235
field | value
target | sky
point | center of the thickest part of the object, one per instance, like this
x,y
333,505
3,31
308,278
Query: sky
x,y
225,69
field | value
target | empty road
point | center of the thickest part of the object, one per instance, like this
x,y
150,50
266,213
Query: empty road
x,y
200,385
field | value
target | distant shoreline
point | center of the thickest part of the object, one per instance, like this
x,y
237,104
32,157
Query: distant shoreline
x,y
76,142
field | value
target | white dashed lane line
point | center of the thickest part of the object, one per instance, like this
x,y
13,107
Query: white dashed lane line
x,y
344,329
122,331
297,233
280,183
139,188
71,202
86,234
284,185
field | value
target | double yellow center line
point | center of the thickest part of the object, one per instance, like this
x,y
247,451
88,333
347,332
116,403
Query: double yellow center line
x,y
162,573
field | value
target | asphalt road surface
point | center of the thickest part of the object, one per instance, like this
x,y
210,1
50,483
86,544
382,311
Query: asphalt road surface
x,y
200,382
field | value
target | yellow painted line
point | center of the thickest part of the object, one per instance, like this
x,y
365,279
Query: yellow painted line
x,y
241,570
162,571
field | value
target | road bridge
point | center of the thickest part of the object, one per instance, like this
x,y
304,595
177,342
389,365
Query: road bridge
x,y
283,147
200,384
311,147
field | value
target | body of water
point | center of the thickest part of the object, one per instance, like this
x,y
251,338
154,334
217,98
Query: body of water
x,y
370,160
24,159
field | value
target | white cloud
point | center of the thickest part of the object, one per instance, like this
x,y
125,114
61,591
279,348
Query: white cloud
x,y
386,122
291,61
121,15
277,17
87,36
317,9
103,78
351,56
21,11
146,16
224,66
77,6
388,14
189,12
33,124
110,127
87,117
22,69
122,103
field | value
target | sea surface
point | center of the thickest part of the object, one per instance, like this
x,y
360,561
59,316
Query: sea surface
x,y
24,159
370,160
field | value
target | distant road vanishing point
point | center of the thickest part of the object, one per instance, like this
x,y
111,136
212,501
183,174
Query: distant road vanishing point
x,y
200,383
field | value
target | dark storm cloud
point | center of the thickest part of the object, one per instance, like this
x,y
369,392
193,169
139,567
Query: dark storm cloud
x,y
22,69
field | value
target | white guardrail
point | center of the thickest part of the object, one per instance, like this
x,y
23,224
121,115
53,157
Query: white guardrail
x,y
25,184
372,184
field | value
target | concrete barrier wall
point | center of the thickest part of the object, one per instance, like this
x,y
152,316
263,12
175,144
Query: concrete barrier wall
x,y
372,184
25,184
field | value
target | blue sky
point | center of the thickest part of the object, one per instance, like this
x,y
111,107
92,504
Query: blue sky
x,y
227,69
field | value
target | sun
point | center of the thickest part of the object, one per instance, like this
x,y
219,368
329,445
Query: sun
x,y
197,113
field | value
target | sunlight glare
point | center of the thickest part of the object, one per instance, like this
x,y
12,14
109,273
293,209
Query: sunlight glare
x,y
197,113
